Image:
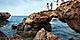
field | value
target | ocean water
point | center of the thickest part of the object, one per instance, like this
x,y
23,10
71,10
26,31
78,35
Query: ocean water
x,y
61,29
16,19
7,29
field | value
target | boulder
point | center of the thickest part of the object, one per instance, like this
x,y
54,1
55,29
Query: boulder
x,y
45,35
4,16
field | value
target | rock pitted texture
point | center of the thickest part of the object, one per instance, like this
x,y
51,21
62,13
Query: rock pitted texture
x,y
40,20
14,37
70,12
35,22
3,18
45,35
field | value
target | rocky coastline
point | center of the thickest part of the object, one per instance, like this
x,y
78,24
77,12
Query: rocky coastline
x,y
37,27
67,11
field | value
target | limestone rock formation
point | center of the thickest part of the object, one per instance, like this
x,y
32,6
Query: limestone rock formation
x,y
3,18
39,20
14,37
35,22
45,35
70,12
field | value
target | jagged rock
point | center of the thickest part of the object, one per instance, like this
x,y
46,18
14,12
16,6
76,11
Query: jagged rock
x,y
3,18
27,34
2,36
39,20
2,23
14,37
45,35
70,12
35,21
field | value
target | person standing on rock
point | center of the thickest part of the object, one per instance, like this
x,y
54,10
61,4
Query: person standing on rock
x,y
47,6
51,5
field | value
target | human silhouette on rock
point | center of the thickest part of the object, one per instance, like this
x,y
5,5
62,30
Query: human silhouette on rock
x,y
49,7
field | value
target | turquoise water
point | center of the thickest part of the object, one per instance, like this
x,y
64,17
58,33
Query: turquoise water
x,y
59,28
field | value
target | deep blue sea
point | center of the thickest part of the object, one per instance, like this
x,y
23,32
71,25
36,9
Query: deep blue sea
x,y
59,28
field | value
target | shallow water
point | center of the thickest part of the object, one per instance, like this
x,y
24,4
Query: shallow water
x,y
59,28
